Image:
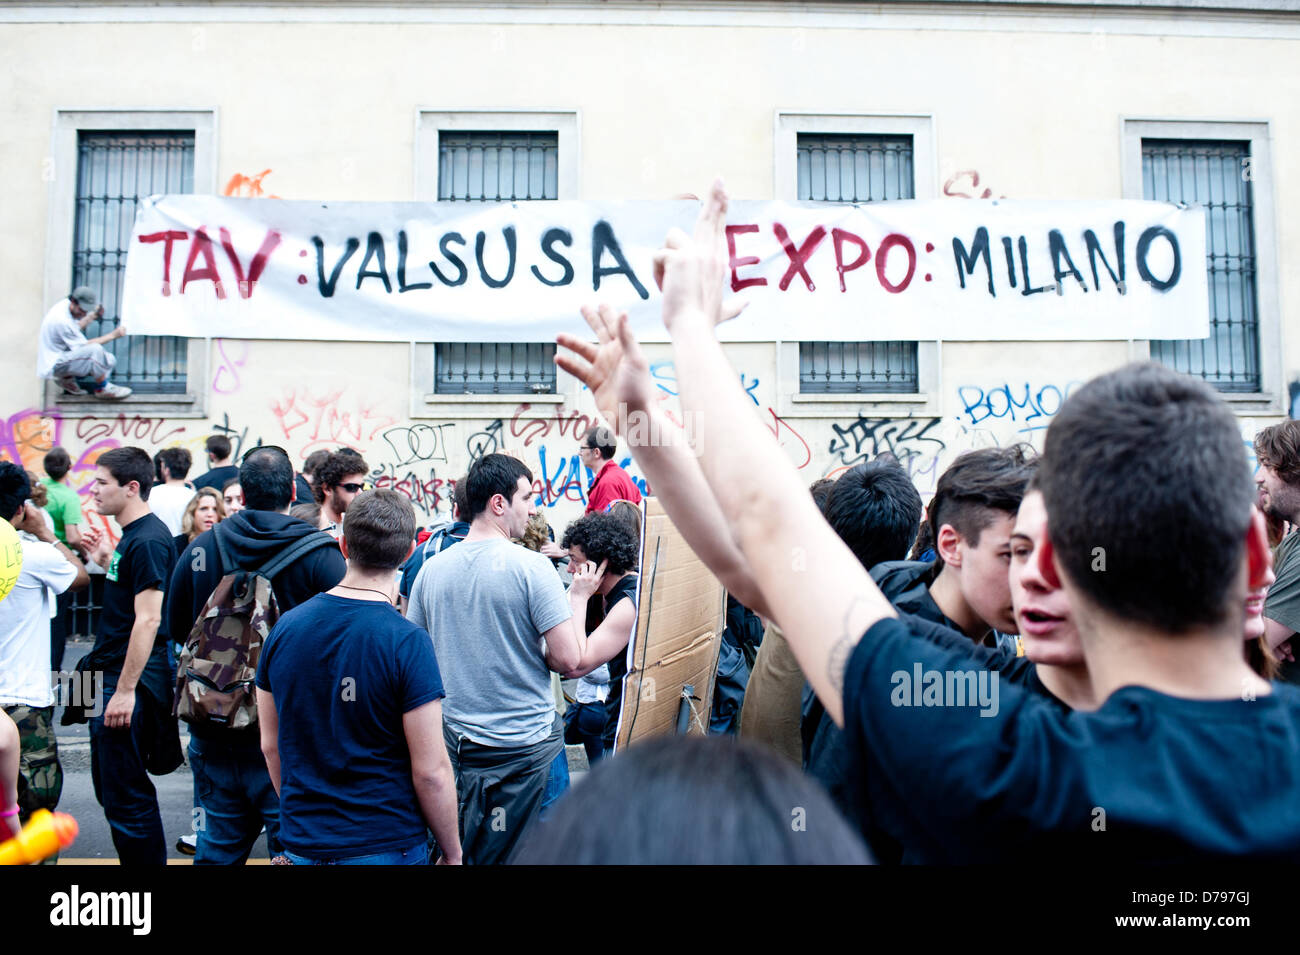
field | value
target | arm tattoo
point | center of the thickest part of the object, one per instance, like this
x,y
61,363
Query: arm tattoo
x,y
837,661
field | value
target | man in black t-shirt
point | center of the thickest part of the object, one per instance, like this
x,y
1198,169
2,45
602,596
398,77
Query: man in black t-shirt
x,y
220,468
1190,755
135,734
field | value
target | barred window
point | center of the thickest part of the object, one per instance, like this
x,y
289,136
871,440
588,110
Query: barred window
x,y
114,171
856,168
503,368
498,167
1212,174
486,167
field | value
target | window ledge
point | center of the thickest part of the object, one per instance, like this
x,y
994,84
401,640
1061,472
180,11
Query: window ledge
x,y
849,397
544,398
480,406
1260,402
162,405
924,404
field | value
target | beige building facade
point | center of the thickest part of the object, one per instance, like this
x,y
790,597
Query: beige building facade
x,y
103,103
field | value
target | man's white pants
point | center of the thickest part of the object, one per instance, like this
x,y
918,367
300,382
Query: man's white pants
x,y
86,361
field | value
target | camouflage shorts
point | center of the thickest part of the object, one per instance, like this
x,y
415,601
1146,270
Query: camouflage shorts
x,y
40,777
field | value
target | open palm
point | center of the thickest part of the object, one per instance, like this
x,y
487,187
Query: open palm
x,y
615,369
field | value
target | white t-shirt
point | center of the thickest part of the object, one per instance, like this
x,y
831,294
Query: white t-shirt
x,y
60,333
25,625
594,687
168,502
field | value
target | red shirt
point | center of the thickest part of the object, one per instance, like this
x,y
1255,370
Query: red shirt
x,y
611,484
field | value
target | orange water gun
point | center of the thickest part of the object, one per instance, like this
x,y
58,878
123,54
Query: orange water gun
x,y
45,834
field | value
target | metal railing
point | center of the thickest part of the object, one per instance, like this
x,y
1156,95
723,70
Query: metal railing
x,y
1215,175
114,171
504,368
856,168
498,166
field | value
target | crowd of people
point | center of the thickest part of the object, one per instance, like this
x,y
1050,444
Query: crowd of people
x,y
1079,655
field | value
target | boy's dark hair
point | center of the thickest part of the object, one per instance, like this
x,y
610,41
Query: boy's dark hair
x,y
694,800
15,488
603,440
177,461
1278,447
314,461
979,486
603,536
379,530
490,475
228,485
460,499
57,464
127,465
1143,468
875,509
266,478
338,466
218,445
821,493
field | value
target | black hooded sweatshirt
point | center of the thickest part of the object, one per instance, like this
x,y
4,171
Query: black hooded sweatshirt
x,y
253,539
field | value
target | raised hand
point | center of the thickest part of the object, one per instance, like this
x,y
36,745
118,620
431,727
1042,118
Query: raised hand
x,y
615,369
96,546
586,579
692,271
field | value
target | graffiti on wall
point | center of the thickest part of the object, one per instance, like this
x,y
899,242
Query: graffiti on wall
x,y
914,443
1030,406
311,421
965,184
247,187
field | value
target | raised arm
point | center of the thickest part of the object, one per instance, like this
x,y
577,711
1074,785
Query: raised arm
x,y
616,371
816,589
566,643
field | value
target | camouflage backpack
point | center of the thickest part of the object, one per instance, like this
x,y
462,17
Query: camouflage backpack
x,y
217,666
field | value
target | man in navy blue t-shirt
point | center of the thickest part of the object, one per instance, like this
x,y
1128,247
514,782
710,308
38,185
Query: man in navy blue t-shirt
x,y
349,701
1152,535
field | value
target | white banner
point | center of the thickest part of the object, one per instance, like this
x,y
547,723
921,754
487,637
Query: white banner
x,y
207,267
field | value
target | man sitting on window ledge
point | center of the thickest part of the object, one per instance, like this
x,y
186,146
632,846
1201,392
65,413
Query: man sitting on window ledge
x,y
65,354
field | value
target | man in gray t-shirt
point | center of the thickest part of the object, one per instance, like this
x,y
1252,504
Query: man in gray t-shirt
x,y
500,622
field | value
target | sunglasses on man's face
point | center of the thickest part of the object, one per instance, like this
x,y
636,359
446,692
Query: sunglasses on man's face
x,y
353,488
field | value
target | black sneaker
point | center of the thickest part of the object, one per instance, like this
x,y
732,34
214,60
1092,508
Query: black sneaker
x,y
188,844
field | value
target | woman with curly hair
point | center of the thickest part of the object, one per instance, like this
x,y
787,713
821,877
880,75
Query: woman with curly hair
x,y
608,542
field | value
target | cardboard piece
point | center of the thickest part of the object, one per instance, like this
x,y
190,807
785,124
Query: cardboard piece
x,y
681,614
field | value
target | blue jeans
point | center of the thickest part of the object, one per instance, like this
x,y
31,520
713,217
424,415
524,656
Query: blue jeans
x,y
416,855
235,798
557,783
585,723
122,786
